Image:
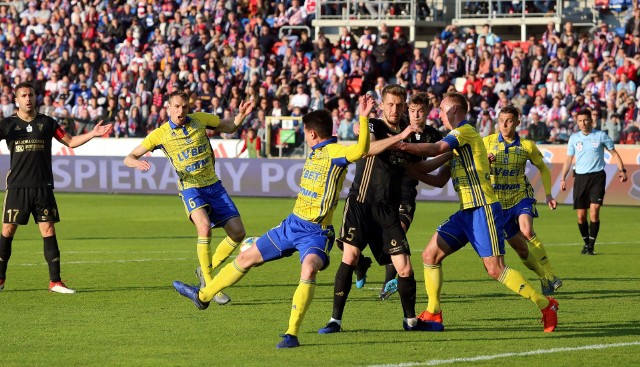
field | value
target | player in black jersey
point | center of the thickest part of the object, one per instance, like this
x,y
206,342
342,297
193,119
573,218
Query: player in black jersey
x,y
371,213
418,110
30,179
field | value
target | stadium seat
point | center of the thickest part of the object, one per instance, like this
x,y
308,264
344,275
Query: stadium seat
x,y
354,85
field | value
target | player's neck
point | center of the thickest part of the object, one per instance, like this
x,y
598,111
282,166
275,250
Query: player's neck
x,y
25,116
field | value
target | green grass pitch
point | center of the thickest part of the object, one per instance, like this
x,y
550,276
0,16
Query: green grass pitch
x,y
121,253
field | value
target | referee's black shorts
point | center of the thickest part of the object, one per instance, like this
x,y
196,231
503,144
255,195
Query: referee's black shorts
x,y
589,189
20,203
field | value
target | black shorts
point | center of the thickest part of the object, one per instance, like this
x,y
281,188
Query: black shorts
x,y
39,202
376,226
407,211
589,189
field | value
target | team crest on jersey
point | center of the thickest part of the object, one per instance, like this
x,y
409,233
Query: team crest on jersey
x,y
579,146
189,141
40,126
29,128
18,128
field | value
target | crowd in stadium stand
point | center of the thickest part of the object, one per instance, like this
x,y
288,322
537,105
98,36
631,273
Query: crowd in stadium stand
x,y
93,60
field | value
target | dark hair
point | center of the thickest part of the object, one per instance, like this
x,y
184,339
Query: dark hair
x,y
25,85
510,110
395,90
459,100
179,93
421,98
585,112
319,121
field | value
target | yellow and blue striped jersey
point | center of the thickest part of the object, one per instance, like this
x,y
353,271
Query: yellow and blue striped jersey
x,y
510,183
188,149
470,171
322,177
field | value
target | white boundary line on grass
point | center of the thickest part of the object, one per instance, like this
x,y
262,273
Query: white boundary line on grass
x,y
437,362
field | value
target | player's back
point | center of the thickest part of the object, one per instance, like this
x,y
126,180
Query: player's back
x,y
321,182
470,170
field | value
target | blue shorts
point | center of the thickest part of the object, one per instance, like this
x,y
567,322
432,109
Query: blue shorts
x,y
295,234
511,215
214,199
482,226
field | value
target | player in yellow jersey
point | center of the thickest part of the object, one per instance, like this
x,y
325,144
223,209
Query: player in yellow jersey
x,y
479,219
508,154
183,140
309,228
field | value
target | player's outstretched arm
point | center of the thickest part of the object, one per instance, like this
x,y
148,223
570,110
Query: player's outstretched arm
x,y
425,149
231,126
133,159
358,150
78,140
439,179
379,146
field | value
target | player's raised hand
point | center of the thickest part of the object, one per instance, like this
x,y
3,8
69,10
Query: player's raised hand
x,y
100,130
367,103
246,107
410,130
551,202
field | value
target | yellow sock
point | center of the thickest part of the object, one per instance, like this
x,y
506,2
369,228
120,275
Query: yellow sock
x,y
224,249
204,257
228,276
537,248
433,283
517,283
533,265
301,301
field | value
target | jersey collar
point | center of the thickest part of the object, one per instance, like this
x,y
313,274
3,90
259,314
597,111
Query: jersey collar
x,y
463,122
331,140
174,126
514,143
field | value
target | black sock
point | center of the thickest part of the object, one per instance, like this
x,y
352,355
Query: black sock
x,y
584,232
52,255
341,289
390,273
407,292
594,227
5,255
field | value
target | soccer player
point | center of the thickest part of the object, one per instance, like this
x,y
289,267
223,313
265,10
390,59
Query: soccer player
x,y
371,213
184,142
508,155
418,110
30,179
588,145
308,229
479,219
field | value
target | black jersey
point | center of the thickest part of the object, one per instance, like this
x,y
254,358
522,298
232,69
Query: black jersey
x,y
409,191
29,144
378,178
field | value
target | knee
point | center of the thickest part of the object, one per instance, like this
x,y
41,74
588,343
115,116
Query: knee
x,y
405,271
238,235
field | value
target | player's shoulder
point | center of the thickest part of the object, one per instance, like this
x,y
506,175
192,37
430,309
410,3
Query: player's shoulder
x,y
491,139
430,134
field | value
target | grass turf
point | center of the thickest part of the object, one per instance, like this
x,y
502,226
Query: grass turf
x,y
121,252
